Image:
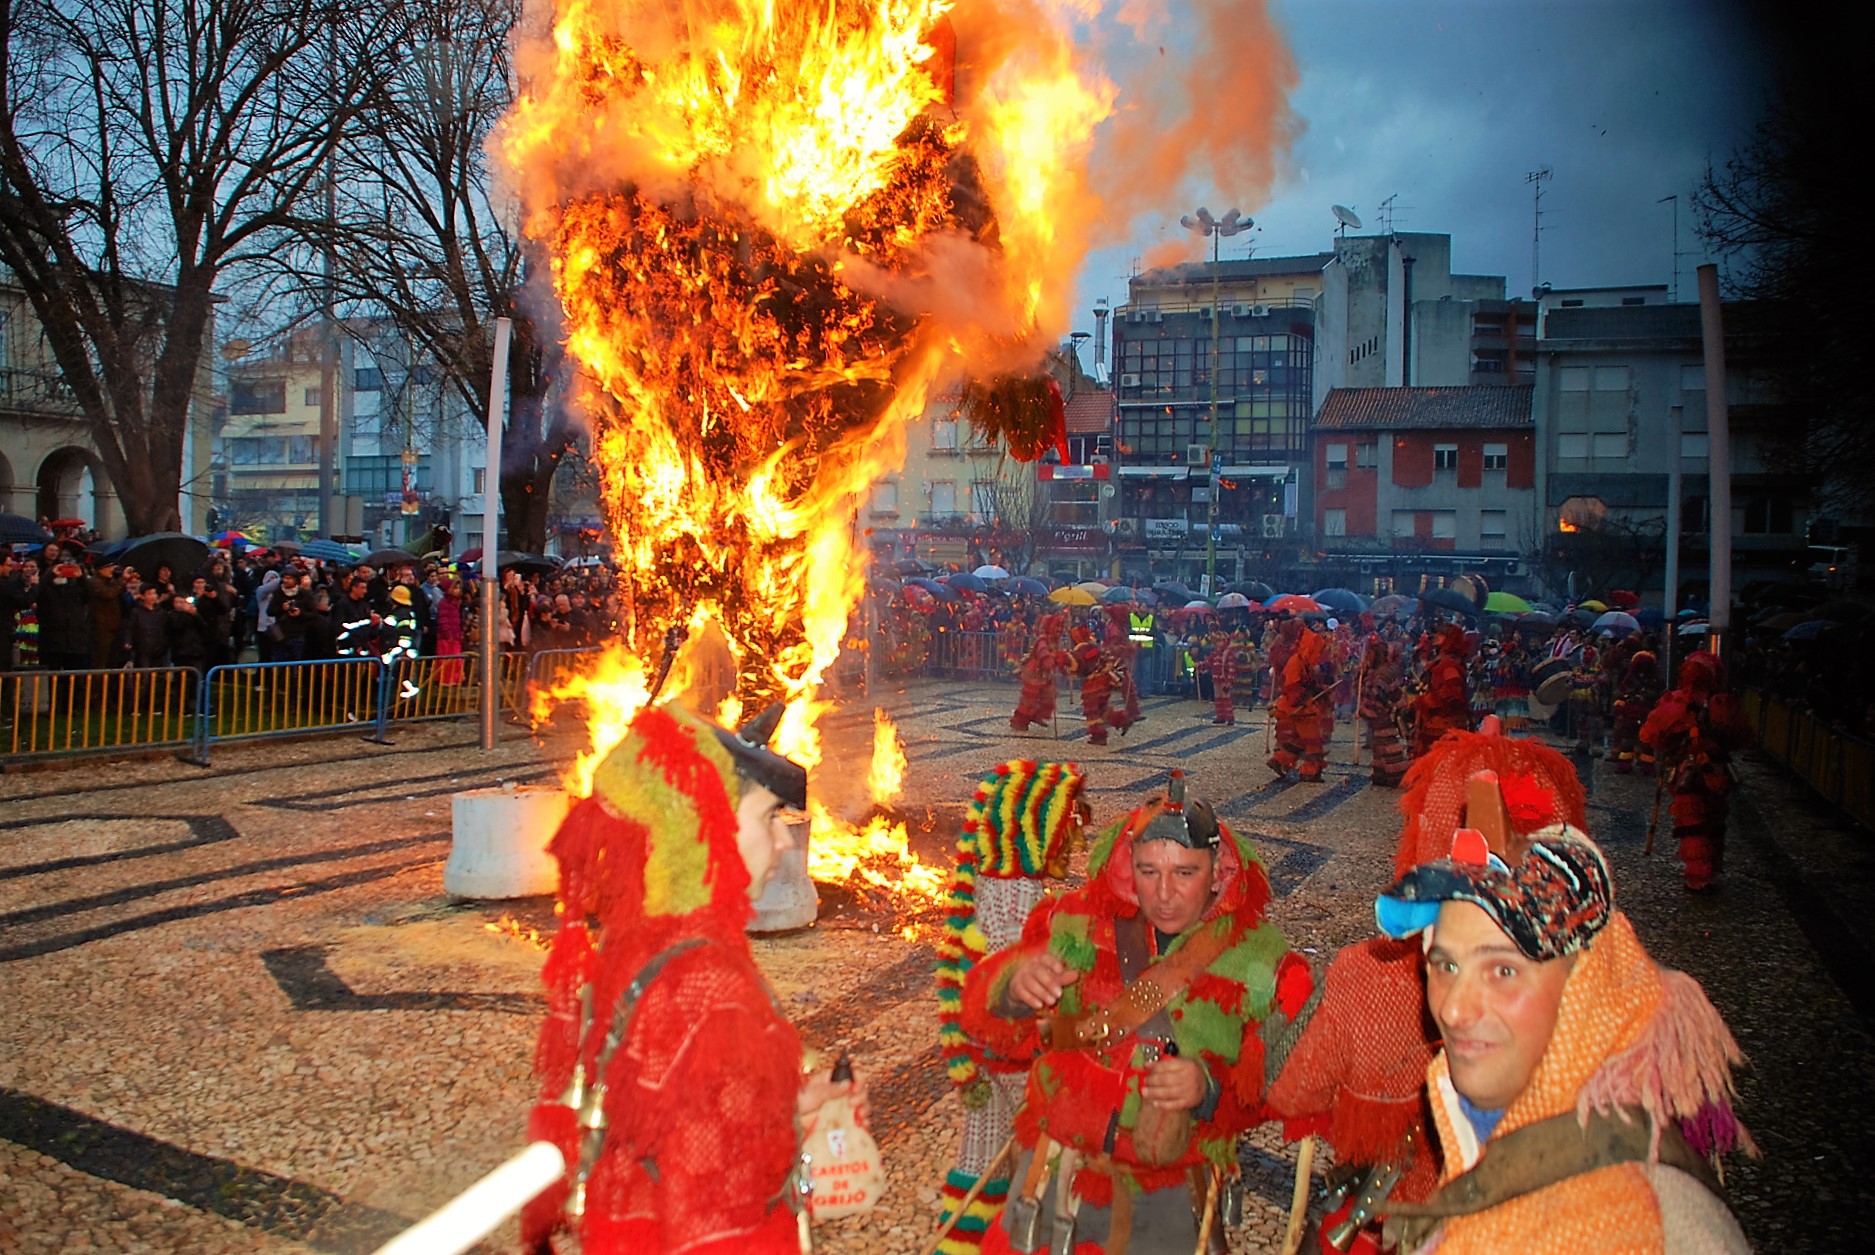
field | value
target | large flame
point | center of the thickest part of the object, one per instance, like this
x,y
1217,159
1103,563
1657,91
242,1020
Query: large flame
x,y
886,777
774,230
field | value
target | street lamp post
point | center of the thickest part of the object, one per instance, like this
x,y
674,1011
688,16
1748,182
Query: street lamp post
x,y
1217,228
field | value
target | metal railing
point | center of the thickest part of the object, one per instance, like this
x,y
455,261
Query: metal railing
x,y
67,713
449,686
1838,766
249,701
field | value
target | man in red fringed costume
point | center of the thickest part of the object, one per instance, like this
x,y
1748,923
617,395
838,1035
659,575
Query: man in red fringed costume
x,y
1036,703
1220,661
1695,730
1100,675
669,1078
1635,697
1381,686
1305,719
1445,704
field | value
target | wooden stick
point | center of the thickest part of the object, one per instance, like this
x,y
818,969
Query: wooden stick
x,y
944,1230
1299,1200
1210,1213
1653,824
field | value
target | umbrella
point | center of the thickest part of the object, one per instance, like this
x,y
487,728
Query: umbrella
x,y
1093,588
285,547
1616,621
1255,590
171,549
1294,603
1172,589
1024,584
1624,599
969,583
1236,601
1449,599
392,557
1812,630
1394,606
1197,607
884,584
1592,605
1118,596
1537,621
911,566
225,539
328,551
1650,616
506,558
1340,600
919,599
1699,628
16,530
1784,620
1072,597
1506,603
990,572
943,592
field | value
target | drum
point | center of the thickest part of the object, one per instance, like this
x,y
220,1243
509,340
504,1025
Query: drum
x,y
1554,690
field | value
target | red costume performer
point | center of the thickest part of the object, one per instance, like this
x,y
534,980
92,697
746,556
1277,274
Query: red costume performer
x,y
1445,704
1634,701
668,1076
1221,661
1287,633
1305,721
1695,730
1098,672
1036,704
1382,685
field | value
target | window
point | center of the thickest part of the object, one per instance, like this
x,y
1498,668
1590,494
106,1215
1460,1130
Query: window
x,y
1403,522
1496,457
1574,379
1768,516
1634,300
1334,522
1693,378
1444,457
1695,444
1611,379
1337,455
885,498
1611,446
1366,456
983,498
368,379
1572,302
257,450
312,397
943,498
1491,528
944,434
481,481
1572,446
257,396
1444,524
382,477
302,450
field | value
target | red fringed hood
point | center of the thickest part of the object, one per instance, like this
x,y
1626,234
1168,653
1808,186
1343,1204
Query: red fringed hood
x,y
1539,787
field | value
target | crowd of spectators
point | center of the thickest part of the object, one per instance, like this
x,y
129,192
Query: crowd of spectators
x,y
63,608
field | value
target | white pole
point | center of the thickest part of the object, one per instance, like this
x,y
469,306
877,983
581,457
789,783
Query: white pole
x,y
491,537
473,1214
1719,446
1673,552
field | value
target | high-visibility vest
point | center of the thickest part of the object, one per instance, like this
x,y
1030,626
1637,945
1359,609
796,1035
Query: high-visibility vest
x,y
1141,634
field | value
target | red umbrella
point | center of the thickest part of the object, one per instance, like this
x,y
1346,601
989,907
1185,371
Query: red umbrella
x,y
1295,603
918,599
1623,599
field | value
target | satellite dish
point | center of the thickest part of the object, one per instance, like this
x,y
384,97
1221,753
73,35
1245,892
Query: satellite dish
x,y
1345,216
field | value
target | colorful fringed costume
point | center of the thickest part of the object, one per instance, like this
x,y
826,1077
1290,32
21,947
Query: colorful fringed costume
x,y
1220,660
1085,1101
1695,730
681,1136
1305,720
1020,829
1100,674
1036,703
1586,683
1634,701
1246,670
1445,704
1540,787
1381,686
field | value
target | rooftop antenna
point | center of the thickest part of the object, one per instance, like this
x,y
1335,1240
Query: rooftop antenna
x,y
1536,179
1344,219
1677,253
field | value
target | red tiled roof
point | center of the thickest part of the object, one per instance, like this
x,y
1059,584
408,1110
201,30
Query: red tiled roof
x,y
1426,409
1090,412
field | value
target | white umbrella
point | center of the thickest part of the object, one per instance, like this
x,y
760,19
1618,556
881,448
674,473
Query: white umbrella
x,y
1232,601
990,573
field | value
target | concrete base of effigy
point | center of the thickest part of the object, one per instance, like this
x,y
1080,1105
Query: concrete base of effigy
x,y
500,841
790,901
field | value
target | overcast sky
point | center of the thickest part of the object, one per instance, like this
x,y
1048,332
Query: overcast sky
x,y
1450,103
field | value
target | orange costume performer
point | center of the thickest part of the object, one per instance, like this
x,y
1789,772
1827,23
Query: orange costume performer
x,y
1305,721
1695,730
1445,704
1638,1066
1036,703
1100,673
1381,686
1221,662
1635,697
668,1075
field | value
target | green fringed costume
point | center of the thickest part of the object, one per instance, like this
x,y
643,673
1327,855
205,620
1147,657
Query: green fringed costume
x,y
1073,1095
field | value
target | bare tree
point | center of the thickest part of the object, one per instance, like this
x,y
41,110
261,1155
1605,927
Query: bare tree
x,y
1603,552
1022,513
421,236
149,151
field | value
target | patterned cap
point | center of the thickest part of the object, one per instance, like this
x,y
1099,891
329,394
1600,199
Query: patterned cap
x,y
1551,904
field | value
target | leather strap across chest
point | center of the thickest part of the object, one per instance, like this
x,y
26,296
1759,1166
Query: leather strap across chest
x,y
1149,986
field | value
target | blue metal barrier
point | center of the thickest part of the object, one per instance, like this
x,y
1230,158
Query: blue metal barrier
x,y
64,714
250,701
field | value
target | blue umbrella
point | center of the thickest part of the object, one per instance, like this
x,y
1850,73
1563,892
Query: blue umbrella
x,y
969,583
1025,584
943,592
1650,616
1811,631
1342,600
327,551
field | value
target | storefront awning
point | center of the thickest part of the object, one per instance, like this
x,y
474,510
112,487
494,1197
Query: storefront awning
x,y
1154,472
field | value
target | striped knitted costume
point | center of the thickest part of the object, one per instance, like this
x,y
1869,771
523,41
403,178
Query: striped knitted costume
x,y
1019,830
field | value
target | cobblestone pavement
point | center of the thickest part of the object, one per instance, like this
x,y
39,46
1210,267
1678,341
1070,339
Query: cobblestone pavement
x,y
240,1015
